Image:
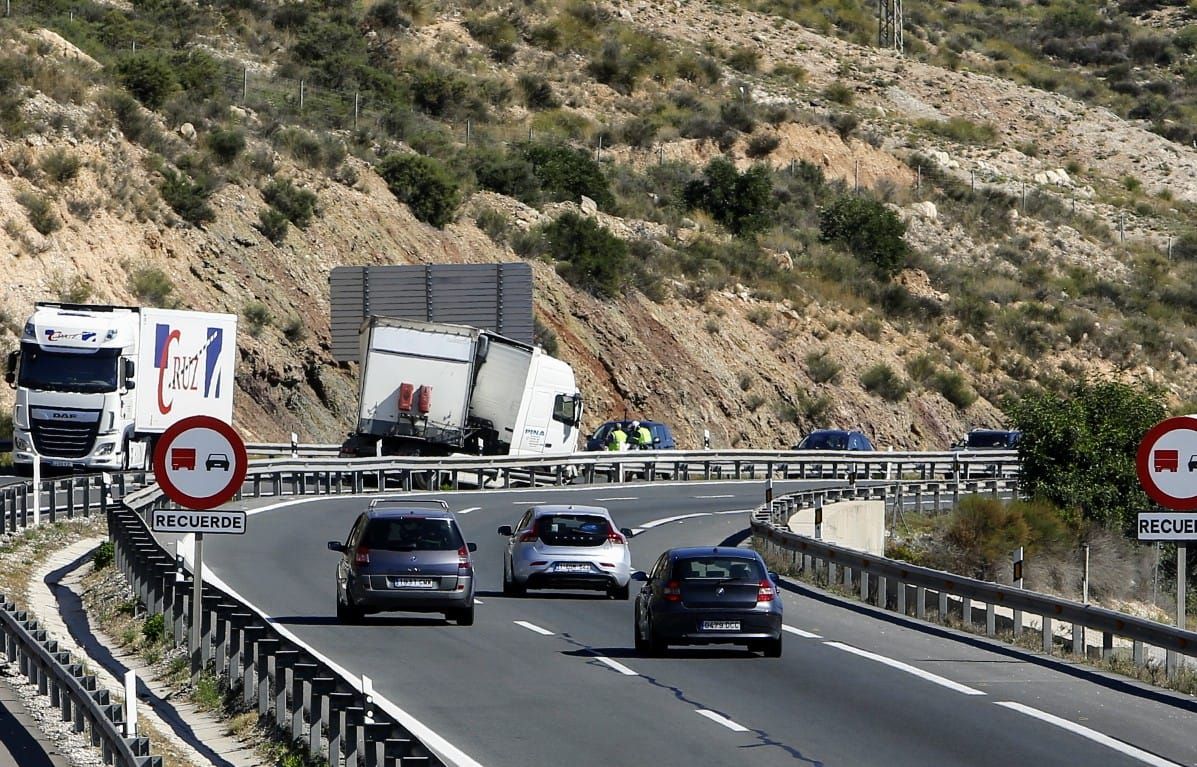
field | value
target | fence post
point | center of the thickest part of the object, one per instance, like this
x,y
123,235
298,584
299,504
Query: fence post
x,y
301,89
245,85
357,103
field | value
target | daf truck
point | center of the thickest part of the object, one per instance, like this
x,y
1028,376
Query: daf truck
x,y
438,389
96,384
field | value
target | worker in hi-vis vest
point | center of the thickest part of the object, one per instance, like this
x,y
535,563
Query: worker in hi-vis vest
x,y
617,440
642,436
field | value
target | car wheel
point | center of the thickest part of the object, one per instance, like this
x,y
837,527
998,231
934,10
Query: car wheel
x,y
619,592
656,645
510,587
773,648
349,614
462,617
641,642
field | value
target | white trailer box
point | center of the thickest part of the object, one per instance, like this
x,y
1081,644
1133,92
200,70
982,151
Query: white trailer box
x,y
184,367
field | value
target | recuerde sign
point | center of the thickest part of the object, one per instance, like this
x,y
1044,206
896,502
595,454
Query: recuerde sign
x,y
1158,526
181,521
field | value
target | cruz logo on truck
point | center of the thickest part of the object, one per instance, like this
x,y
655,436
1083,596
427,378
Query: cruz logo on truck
x,y
180,371
79,335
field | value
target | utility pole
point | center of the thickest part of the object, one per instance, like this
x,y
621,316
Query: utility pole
x,y
889,25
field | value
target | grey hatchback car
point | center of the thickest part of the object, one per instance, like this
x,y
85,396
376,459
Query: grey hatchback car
x,y
405,555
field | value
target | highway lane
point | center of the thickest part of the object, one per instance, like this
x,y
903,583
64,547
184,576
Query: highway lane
x,y
507,694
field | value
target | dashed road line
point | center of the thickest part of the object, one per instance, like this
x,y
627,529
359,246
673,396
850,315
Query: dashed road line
x,y
927,675
467,511
613,664
534,627
620,498
713,496
478,601
536,502
720,719
1097,737
800,632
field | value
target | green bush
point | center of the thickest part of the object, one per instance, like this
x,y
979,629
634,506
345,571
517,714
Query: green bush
x,y
273,224
589,257
822,368
565,173
506,173
77,291
149,77
198,74
226,144
154,628
294,330
103,555
257,316
762,145
954,388
298,205
544,337
840,93
538,92
186,197
884,382
985,530
745,59
424,184
871,231
40,211
496,32
742,202
962,130
150,284
60,165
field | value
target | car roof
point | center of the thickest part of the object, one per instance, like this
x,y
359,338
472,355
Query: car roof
x,y
686,552
994,431
394,508
568,508
835,431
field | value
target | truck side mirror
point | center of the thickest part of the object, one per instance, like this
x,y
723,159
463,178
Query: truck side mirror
x,y
10,367
130,370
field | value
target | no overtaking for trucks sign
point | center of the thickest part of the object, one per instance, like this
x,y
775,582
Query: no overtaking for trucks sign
x,y
200,463
1167,466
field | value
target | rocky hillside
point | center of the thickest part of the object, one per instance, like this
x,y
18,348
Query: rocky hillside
x,y
1086,205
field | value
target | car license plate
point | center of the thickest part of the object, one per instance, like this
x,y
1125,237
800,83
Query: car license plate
x,y
573,567
413,583
720,625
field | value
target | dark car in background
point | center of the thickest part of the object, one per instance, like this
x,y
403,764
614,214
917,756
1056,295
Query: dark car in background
x,y
709,595
405,555
662,436
834,439
989,439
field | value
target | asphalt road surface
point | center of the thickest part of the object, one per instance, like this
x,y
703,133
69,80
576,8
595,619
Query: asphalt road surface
x,y
21,744
552,678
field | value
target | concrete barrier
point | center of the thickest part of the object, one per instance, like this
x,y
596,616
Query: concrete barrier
x,y
856,525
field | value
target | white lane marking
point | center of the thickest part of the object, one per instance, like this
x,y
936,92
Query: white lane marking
x,y
720,719
445,750
613,664
478,601
467,511
935,678
800,632
666,520
536,502
620,498
714,496
733,511
1093,735
533,627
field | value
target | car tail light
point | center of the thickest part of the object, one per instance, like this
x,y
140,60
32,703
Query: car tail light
x,y
672,591
529,536
614,536
766,591
361,556
541,563
607,564
463,559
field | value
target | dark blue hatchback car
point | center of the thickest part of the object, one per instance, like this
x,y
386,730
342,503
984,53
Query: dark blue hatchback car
x,y
834,439
662,436
709,595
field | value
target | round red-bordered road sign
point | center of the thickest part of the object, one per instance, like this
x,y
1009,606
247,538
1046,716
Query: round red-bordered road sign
x,y
1167,463
200,462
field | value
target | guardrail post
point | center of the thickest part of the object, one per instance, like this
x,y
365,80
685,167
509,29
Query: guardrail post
x,y
966,611
1048,633
882,592
338,702
864,585
901,597
280,666
263,658
320,690
1137,653
990,620
920,602
943,606
1107,645
847,576
1078,640
299,680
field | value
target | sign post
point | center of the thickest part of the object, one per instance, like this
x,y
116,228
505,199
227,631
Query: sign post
x,y
1016,558
200,463
1167,467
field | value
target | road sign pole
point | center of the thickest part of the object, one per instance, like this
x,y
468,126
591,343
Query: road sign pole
x,y
1182,552
197,588
37,488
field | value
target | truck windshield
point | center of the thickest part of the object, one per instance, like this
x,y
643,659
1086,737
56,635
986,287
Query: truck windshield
x,y
51,370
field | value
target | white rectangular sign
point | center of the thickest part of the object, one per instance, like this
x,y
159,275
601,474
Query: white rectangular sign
x,y
1169,526
183,521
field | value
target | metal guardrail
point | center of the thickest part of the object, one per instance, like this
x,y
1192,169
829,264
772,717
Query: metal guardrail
x,y
71,690
900,586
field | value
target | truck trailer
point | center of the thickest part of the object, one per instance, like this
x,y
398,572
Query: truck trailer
x,y
438,389
96,384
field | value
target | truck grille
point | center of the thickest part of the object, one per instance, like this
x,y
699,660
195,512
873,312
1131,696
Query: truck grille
x,y
63,439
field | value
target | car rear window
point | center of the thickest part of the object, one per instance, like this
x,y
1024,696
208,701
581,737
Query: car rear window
x,y
412,534
573,530
989,439
721,568
825,442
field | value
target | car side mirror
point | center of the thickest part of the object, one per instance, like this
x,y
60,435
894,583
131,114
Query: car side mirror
x,y
336,546
774,577
640,575
130,374
10,368
471,547
505,530
627,532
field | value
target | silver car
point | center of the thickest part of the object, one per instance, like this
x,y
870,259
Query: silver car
x,y
405,556
570,547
